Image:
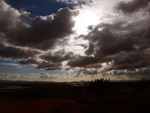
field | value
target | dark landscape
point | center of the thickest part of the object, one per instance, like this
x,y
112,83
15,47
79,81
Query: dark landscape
x,y
99,96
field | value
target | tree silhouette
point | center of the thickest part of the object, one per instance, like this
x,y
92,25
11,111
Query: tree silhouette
x,y
99,85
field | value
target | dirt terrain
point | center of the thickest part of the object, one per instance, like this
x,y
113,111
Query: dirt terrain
x,y
96,97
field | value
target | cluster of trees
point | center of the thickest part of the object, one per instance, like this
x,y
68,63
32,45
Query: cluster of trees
x,y
99,85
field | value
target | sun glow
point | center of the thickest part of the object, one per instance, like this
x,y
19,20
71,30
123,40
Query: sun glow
x,y
84,20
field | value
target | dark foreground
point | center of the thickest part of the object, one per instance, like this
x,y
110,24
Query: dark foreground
x,y
101,97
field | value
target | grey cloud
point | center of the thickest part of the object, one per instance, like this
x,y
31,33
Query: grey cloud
x,y
82,72
10,19
42,64
32,77
129,58
43,32
16,53
132,6
10,76
82,61
49,66
28,61
140,73
18,31
49,60
58,56
106,42
136,31
144,40
44,75
132,60
125,44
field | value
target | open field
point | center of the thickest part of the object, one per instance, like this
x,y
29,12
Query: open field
x,y
111,97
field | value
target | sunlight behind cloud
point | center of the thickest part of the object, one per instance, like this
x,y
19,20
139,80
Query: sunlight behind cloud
x,y
94,13
84,20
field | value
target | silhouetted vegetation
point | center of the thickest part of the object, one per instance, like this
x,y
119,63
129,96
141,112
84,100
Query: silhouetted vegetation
x,y
99,85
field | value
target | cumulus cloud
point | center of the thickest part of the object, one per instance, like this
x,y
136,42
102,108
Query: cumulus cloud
x,y
42,33
123,42
105,42
20,34
127,51
32,77
48,76
10,76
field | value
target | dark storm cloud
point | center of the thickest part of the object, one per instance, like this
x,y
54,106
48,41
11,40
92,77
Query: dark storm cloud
x,y
11,22
82,61
16,53
58,56
43,32
42,64
124,50
49,66
136,32
132,60
49,60
125,44
144,40
132,6
105,42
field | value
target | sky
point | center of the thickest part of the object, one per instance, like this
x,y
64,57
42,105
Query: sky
x,y
74,40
